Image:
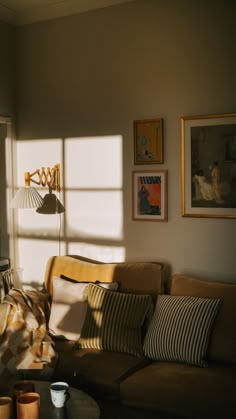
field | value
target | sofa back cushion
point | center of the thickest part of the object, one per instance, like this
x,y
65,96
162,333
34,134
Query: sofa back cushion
x,y
222,346
133,277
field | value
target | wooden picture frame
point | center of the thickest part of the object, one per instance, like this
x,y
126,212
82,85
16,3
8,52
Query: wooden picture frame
x,y
208,166
148,141
149,200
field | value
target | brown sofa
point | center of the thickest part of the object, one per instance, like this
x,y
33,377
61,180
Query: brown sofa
x,y
128,386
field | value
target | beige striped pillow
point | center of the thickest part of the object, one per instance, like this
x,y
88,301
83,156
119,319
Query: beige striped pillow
x,y
114,321
180,329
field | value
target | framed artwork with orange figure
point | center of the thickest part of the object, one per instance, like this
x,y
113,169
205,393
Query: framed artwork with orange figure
x,y
148,141
149,195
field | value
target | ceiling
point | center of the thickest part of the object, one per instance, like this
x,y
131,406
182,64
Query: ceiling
x,y
21,12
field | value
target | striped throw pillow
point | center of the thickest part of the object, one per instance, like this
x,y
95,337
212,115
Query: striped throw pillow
x,y
180,329
114,321
68,308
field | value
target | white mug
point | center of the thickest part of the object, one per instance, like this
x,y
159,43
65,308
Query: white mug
x,y
59,393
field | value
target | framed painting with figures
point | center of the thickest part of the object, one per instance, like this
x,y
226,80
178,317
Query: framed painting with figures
x,y
208,166
150,195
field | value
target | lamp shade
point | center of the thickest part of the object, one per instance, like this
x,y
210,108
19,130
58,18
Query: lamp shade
x,y
50,205
27,197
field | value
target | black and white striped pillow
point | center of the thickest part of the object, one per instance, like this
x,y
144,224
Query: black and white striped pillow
x,y
180,329
114,321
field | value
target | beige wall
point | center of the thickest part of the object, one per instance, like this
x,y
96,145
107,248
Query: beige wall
x,y
4,240
7,70
7,104
94,73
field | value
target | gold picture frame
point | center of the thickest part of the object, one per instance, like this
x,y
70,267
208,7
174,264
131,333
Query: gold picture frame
x,y
148,141
208,166
149,200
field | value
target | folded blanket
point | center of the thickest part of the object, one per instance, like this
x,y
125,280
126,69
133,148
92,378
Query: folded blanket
x,y
24,339
4,311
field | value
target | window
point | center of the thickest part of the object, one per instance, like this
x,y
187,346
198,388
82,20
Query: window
x,y
92,193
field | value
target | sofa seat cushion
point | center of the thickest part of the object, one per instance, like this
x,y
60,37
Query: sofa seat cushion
x,y
98,372
182,389
222,346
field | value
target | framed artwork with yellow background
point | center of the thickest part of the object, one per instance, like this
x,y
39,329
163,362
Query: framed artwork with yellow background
x,y
148,141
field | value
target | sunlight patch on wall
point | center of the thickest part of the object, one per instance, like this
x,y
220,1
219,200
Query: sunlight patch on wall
x,y
93,179
92,193
95,214
98,252
34,154
34,224
33,256
32,253
93,162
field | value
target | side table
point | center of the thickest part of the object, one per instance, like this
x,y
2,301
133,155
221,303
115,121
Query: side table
x,y
79,405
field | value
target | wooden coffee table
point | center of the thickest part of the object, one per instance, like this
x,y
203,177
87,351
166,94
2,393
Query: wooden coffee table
x,y
80,405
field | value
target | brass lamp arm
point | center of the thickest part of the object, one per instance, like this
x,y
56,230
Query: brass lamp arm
x,y
46,177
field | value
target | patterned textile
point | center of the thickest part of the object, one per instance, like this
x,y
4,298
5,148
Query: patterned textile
x,y
6,283
180,329
24,339
114,321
